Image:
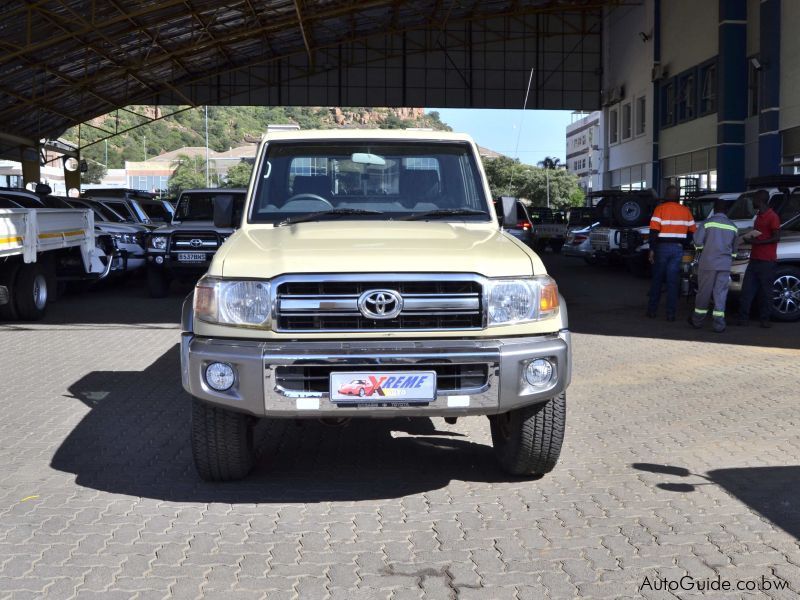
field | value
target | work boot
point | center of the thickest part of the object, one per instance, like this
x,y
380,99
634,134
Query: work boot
x,y
718,326
694,323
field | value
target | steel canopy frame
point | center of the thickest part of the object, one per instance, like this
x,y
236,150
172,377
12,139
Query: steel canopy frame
x,y
64,62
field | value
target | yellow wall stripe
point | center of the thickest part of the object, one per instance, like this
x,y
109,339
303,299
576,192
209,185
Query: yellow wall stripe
x,y
11,240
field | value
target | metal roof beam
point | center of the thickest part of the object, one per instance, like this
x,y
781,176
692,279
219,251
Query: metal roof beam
x,y
303,31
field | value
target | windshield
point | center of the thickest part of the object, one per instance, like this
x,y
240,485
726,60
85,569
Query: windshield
x,y
108,214
701,209
743,208
156,211
25,201
582,217
388,179
197,206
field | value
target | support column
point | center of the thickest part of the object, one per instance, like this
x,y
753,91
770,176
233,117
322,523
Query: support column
x,y
769,135
731,94
656,118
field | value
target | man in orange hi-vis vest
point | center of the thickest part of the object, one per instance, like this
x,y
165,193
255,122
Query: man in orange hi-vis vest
x,y
671,229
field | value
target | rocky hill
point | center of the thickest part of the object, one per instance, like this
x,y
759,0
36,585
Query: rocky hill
x,y
228,126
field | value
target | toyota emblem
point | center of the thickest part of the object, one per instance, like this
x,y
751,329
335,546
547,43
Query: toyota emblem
x,y
195,243
380,304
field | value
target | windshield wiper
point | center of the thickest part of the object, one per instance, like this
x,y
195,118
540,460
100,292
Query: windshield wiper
x,y
444,212
334,212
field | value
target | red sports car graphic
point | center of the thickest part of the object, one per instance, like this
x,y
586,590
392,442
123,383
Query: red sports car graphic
x,y
357,387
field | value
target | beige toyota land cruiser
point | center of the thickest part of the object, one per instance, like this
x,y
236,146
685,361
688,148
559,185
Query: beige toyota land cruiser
x,y
369,278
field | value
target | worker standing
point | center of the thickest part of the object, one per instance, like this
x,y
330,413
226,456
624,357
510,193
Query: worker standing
x,y
759,278
716,239
671,229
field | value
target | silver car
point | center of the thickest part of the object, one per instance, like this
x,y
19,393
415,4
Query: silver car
x,y
578,244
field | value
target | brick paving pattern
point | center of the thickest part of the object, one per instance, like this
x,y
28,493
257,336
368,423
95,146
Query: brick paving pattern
x,y
674,463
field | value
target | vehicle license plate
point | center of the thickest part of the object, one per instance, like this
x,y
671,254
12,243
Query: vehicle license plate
x,y
191,257
387,387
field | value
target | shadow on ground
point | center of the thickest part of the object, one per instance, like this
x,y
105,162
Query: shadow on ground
x,y
135,441
123,301
608,300
773,492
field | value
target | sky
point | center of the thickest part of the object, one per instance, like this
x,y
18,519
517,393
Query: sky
x,y
543,131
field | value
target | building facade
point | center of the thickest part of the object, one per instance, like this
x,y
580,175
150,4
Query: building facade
x,y
702,95
585,150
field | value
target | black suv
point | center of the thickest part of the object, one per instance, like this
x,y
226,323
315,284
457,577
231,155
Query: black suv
x,y
184,248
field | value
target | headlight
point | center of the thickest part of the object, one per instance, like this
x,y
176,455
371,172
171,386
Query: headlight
x,y
230,302
514,301
158,242
742,255
124,238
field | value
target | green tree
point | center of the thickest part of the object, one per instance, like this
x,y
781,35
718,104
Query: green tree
x,y
188,173
95,172
563,187
550,162
239,175
509,177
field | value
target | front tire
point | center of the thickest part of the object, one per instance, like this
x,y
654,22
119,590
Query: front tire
x,y
222,442
30,292
527,441
786,294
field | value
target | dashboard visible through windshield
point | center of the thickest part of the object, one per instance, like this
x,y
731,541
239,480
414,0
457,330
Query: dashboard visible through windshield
x,y
368,180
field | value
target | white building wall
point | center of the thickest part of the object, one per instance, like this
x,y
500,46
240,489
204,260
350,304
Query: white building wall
x,y
689,37
584,153
628,60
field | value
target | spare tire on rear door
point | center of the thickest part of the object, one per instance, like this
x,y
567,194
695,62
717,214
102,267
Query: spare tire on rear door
x,y
605,212
631,211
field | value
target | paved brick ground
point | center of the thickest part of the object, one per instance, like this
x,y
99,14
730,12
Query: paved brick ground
x,y
675,463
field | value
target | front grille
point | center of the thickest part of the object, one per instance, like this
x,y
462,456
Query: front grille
x,y
450,378
599,239
333,305
200,241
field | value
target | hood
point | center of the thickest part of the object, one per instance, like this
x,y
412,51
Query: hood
x,y
194,226
110,227
373,247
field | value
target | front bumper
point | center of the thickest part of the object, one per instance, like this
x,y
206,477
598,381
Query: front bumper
x,y
257,392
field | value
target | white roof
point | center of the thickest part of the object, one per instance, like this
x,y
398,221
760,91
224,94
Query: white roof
x,y
367,134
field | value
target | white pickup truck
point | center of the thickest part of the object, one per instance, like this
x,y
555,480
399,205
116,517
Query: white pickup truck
x,y
40,246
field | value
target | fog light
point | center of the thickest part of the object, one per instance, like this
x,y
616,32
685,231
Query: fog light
x,y
220,376
539,372
159,260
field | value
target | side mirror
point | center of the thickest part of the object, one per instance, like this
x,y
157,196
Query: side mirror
x,y
508,210
223,211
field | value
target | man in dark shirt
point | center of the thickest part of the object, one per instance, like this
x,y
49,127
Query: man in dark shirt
x,y
759,277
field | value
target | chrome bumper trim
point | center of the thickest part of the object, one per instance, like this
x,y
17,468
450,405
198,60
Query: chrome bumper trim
x,y
256,392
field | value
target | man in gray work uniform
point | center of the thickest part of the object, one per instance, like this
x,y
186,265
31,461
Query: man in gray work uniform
x,y
716,239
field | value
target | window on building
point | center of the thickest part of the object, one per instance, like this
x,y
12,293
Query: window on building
x,y
753,89
641,115
687,93
668,104
613,126
708,90
627,121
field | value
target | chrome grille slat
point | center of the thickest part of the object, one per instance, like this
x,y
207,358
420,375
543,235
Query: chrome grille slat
x,y
430,302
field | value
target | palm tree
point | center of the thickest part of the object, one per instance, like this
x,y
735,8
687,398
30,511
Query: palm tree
x,y
550,162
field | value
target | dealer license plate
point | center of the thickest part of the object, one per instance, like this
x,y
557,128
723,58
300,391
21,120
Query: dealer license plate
x,y
191,257
383,387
